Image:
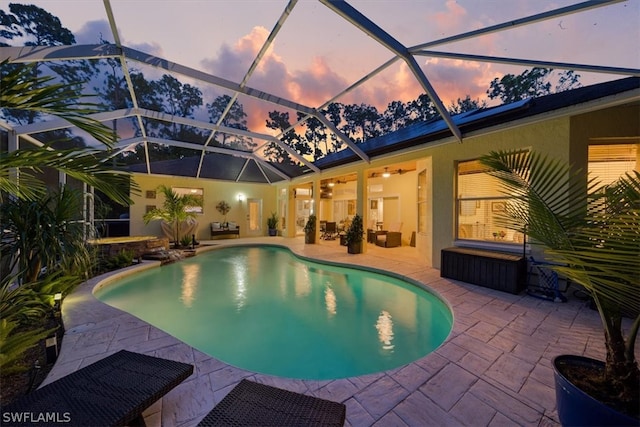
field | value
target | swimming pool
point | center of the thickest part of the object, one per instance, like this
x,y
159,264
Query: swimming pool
x,y
263,309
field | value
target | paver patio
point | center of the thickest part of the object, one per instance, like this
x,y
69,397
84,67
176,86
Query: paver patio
x,y
494,369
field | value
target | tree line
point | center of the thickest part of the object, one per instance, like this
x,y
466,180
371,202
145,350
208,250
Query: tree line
x,y
312,139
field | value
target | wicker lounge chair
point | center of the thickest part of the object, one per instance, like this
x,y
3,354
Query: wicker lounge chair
x,y
253,404
390,238
113,391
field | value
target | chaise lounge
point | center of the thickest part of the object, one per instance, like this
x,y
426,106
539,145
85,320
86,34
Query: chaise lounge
x,y
113,391
254,404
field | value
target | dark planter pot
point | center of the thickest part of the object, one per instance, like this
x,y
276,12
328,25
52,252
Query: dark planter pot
x,y
310,238
354,248
577,408
273,232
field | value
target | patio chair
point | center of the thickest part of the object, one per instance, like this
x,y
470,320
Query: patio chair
x,y
374,230
330,231
113,391
390,238
254,404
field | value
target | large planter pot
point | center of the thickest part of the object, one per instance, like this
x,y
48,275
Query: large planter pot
x,y
577,408
309,237
354,248
273,232
187,228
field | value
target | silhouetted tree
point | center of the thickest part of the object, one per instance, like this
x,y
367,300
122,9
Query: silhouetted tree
x,y
235,118
421,110
37,27
530,84
395,117
333,112
466,104
361,122
315,136
273,152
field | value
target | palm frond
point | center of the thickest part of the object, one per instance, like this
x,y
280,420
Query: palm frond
x,y
590,230
22,89
84,165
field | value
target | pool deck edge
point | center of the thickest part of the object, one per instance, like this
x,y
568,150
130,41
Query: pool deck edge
x,y
493,369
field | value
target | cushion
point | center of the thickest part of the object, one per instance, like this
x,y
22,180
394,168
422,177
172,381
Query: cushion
x,y
215,226
232,225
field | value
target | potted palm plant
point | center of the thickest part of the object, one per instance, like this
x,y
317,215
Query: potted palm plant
x,y
592,237
310,229
272,224
354,235
174,212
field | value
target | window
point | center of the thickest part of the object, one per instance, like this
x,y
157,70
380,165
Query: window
x,y
479,199
610,162
422,202
196,192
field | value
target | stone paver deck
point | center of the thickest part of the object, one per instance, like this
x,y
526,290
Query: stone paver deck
x,y
493,370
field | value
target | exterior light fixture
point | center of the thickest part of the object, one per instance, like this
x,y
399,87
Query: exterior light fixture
x,y
386,173
240,197
57,301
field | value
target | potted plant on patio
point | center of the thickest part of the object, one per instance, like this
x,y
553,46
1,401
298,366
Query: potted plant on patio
x,y
224,208
591,234
272,224
310,229
354,236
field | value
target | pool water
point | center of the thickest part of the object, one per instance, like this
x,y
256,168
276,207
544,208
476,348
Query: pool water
x,y
263,309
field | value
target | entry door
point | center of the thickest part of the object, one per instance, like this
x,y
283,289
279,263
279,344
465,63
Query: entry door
x,y
254,217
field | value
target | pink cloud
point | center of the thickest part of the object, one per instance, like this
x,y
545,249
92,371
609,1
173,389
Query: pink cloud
x,y
310,87
453,79
450,21
314,85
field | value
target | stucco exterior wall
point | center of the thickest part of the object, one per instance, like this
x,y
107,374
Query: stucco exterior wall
x,y
617,122
214,192
564,138
550,137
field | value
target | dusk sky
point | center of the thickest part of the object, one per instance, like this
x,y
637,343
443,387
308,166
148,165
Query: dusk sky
x,y
318,54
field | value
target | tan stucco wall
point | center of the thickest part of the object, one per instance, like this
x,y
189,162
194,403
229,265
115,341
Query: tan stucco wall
x,y
214,192
549,137
564,138
617,122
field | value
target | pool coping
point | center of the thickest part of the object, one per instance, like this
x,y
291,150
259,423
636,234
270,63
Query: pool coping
x,y
466,380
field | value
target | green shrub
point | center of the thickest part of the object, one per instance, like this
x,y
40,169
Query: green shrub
x,y
185,241
124,258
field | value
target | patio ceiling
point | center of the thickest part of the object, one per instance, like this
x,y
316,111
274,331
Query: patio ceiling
x,y
156,140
